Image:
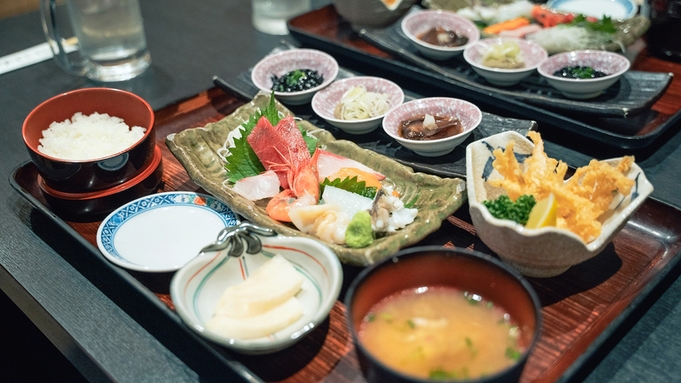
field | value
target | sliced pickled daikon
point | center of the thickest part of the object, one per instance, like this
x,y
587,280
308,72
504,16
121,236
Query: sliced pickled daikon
x,y
260,325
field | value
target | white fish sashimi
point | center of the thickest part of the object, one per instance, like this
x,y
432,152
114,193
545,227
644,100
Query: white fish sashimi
x,y
349,202
265,185
329,163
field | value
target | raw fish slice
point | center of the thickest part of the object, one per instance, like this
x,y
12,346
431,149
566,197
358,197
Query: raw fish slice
x,y
258,326
268,145
329,163
296,152
331,227
265,185
349,202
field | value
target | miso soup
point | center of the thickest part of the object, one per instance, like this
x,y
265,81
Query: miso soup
x,y
440,333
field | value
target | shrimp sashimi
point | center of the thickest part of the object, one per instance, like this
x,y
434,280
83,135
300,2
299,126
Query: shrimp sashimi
x,y
304,190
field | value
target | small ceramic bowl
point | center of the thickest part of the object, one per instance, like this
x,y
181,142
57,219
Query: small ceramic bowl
x,y
97,174
325,101
461,269
548,251
468,114
532,53
371,13
197,286
614,65
417,23
280,63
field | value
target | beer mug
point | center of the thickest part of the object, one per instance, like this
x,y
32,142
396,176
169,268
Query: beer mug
x,y
110,36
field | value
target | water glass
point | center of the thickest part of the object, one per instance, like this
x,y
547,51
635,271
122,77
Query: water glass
x,y
270,16
110,34
664,36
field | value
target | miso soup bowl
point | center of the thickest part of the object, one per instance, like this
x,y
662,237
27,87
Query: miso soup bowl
x,y
460,269
79,177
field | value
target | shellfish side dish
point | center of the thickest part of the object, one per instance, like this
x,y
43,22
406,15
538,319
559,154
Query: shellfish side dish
x,y
334,198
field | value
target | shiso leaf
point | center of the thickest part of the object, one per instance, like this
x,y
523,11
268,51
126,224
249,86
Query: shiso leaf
x,y
351,185
243,162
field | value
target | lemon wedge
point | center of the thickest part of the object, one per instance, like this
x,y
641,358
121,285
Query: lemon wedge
x,y
543,213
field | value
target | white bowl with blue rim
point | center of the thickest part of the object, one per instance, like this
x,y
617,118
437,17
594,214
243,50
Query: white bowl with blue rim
x,y
196,288
615,9
162,232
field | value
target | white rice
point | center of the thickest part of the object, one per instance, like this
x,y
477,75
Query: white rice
x,y
88,137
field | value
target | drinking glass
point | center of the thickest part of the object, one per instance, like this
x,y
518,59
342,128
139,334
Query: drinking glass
x,y
664,36
270,16
110,36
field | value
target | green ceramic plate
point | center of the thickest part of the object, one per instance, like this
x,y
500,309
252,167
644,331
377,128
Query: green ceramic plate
x,y
196,149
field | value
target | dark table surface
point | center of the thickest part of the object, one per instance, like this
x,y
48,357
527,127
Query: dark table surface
x,y
189,43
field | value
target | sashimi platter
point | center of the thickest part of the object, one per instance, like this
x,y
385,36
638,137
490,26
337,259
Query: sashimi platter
x,y
285,174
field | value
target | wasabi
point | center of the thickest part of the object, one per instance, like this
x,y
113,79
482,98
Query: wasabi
x,y
359,233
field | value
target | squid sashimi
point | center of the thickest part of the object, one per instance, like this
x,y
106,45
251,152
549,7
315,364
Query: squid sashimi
x,y
264,185
329,163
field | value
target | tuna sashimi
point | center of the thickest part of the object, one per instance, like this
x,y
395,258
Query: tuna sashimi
x,y
297,152
277,146
329,163
265,185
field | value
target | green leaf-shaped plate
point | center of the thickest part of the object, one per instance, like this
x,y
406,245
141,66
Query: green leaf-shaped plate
x,y
196,149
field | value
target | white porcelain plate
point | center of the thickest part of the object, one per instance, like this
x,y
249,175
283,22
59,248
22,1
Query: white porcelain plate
x,y
162,232
615,9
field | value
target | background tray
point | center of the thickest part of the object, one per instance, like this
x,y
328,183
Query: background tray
x,y
324,29
581,308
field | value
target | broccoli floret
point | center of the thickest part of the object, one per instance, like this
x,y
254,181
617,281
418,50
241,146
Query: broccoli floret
x,y
504,208
359,233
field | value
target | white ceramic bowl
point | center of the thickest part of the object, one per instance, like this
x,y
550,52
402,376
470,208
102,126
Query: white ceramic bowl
x,y
417,23
196,288
533,55
548,251
610,63
280,63
324,102
468,114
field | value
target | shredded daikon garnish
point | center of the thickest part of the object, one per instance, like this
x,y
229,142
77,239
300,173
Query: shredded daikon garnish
x,y
359,104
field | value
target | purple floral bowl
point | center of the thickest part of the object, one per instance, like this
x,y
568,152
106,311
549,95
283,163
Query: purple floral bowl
x,y
324,102
467,113
532,55
417,23
278,64
614,65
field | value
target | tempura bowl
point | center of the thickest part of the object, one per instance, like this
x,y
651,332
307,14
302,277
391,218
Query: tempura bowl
x,y
417,23
280,63
461,269
614,65
533,55
97,174
325,101
468,114
548,251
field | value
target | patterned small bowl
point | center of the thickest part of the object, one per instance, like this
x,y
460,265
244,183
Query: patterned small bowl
x,y
280,63
417,23
325,101
197,286
533,55
468,114
548,251
610,63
